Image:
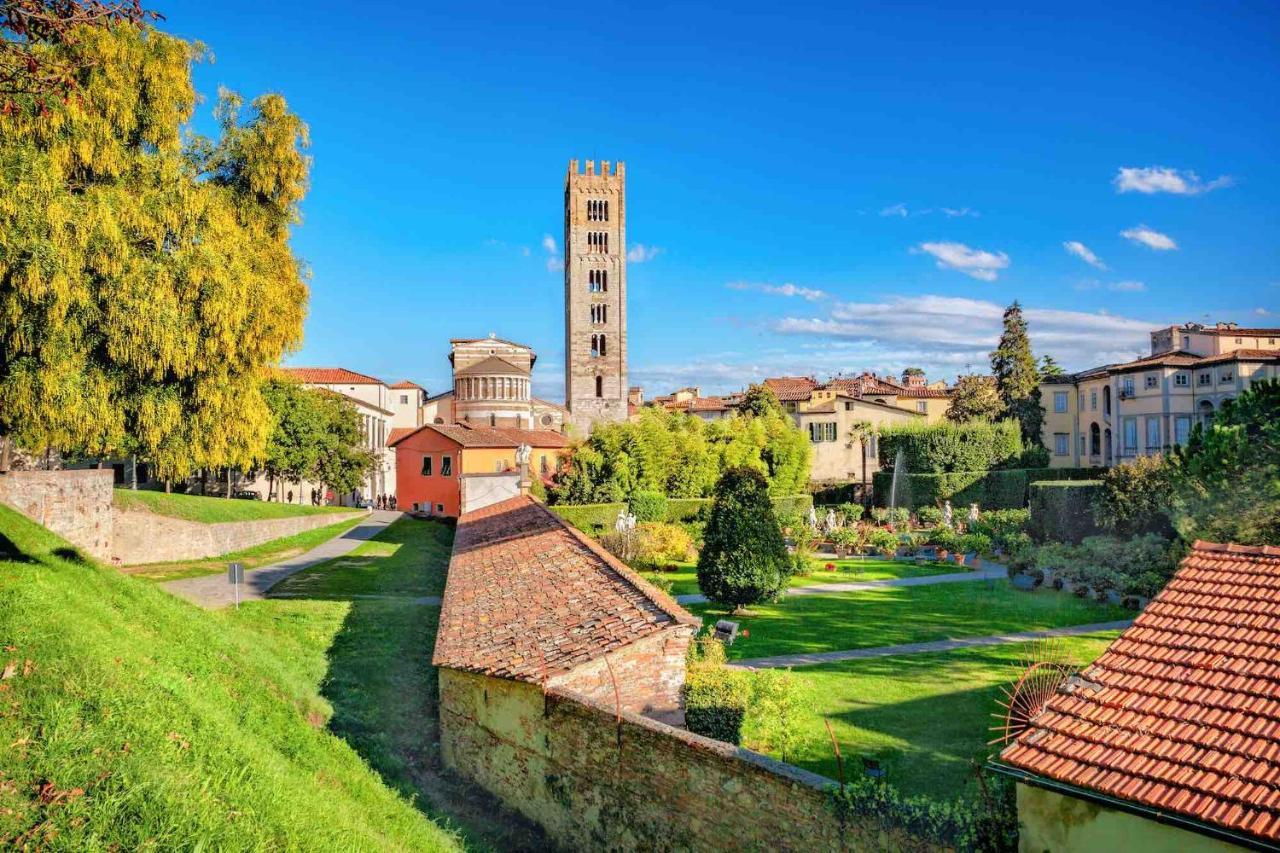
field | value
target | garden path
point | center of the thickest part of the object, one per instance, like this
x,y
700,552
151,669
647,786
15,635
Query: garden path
x,y
214,591
989,571
780,661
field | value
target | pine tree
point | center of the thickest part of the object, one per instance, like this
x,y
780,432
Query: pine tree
x,y
145,283
744,557
1050,369
1018,377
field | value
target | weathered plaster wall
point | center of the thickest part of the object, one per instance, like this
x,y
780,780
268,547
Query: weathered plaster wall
x,y
76,505
596,780
478,491
649,675
1050,821
144,537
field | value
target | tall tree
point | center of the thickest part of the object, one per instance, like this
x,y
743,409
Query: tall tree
x,y
912,371
860,432
145,283
1050,369
975,398
744,557
759,400
1017,376
343,460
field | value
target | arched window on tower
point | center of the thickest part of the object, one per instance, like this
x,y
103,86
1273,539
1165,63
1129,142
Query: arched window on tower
x,y
599,386
602,347
595,346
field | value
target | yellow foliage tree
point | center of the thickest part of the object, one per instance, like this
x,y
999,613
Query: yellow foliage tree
x,y
146,282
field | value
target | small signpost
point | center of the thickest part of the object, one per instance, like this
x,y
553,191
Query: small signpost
x,y
235,577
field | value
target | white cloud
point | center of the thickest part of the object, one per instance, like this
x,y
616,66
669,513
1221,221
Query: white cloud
x,y
549,244
1128,286
555,264
809,293
953,212
1081,251
639,253
901,210
898,209
975,263
1261,312
1162,179
1150,238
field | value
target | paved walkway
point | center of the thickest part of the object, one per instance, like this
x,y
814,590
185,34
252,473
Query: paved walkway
x,y
917,648
989,571
214,591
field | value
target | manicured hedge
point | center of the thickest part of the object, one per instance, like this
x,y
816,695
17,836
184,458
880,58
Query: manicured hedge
x,y
1000,489
715,702
598,518
946,447
1062,510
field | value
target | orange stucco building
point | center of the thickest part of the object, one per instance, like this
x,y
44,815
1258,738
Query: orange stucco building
x,y
437,465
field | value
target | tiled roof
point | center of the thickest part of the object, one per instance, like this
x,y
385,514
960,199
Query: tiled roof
x,y
1182,712
791,388
1174,358
406,385
1242,355
472,436
330,376
398,433
1228,333
921,392
709,404
492,365
489,340
529,597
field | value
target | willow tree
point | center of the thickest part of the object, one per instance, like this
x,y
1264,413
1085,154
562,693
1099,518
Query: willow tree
x,y
146,282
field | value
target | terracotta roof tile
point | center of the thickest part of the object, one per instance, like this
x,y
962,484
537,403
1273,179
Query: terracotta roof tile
x,y
330,376
529,597
471,436
406,385
398,433
1182,711
790,389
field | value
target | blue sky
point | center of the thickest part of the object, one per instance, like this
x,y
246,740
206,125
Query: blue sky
x,y
817,188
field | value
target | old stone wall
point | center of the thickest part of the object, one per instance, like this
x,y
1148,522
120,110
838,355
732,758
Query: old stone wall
x,y
648,674
76,505
599,780
144,537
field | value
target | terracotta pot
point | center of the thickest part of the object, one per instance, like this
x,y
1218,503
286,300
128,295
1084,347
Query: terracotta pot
x,y
959,558
942,555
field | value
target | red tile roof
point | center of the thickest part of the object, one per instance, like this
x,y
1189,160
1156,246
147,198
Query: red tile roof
x,y
529,597
398,433
473,436
1242,355
405,385
932,393
1229,332
791,388
330,376
1182,712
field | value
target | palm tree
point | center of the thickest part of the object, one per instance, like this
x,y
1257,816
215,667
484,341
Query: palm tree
x,y
861,433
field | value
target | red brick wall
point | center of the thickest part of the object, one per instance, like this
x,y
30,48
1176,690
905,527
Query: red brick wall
x,y
428,492
596,782
649,674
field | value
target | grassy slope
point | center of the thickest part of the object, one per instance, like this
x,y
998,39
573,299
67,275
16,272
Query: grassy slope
x,y
684,580
925,717
894,615
253,558
213,510
408,558
133,719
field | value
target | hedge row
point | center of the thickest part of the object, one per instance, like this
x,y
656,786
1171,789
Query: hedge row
x,y
593,518
1062,510
1001,489
946,447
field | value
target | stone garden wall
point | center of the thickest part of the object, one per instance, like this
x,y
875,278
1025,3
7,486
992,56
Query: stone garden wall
x,y
144,537
599,779
76,505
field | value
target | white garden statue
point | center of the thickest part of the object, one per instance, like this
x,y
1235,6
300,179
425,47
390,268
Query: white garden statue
x,y
946,513
813,518
973,513
831,519
523,454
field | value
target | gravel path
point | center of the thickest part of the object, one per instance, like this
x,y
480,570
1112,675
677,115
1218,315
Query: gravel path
x,y
989,571
214,591
917,648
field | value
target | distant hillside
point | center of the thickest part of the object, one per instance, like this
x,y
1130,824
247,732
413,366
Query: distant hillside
x,y
132,720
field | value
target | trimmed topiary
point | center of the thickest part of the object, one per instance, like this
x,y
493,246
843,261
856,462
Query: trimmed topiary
x,y
744,558
649,506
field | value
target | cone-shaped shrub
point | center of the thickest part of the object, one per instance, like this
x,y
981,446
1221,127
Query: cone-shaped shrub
x,y
744,559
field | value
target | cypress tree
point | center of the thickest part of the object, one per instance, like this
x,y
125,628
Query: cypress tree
x,y
744,559
1018,376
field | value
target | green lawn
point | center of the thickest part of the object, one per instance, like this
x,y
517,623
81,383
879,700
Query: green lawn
x,y
925,717
134,720
685,579
408,558
213,510
894,615
259,555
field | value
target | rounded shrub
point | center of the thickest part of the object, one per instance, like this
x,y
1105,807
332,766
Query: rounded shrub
x,y
744,558
649,506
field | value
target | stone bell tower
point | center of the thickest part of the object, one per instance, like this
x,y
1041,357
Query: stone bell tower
x,y
595,294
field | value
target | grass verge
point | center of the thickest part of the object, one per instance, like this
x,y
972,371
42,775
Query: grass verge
x,y
895,615
133,720
213,510
926,717
259,555
684,579
408,558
